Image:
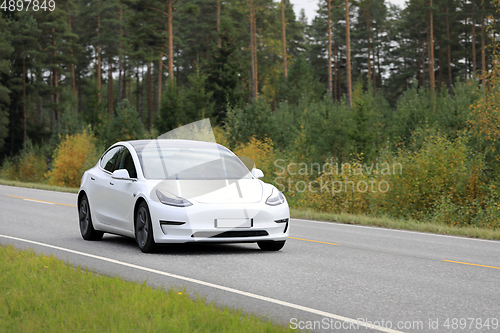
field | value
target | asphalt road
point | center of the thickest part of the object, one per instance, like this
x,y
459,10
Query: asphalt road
x,y
328,277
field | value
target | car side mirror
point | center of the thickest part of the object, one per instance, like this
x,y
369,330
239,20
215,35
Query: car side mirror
x,y
121,174
257,173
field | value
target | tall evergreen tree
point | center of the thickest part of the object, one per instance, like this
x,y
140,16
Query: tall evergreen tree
x,y
6,50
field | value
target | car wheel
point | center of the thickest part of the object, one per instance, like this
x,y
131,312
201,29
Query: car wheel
x,y
86,228
144,229
271,245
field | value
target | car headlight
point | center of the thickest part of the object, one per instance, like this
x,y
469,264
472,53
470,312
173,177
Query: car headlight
x,y
276,198
170,199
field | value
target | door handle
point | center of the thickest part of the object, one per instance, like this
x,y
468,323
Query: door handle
x,y
92,178
110,183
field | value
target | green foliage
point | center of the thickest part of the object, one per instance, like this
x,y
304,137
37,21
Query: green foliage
x,y
484,120
170,109
6,50
440,168
366,130
124,126
223,80
197,101
252,120
418,108
301,83
71,122
29,166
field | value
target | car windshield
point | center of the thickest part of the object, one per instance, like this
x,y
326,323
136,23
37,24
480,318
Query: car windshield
x,y
188,163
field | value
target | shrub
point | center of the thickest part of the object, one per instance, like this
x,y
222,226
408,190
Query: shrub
x,y
124,126
75,154
28,166
441,168
262,153
8,170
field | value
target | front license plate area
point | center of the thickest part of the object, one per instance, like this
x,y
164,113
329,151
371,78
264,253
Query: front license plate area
x,y
233,223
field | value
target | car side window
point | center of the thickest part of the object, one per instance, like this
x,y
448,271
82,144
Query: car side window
x,y
109,159
125,161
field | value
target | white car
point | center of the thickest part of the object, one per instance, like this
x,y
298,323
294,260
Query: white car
x,y
178,191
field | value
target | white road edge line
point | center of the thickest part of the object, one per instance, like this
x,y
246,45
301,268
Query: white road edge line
x,y
216,286
397,230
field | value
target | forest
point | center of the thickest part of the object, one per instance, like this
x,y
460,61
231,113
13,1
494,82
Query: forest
x,y
365,83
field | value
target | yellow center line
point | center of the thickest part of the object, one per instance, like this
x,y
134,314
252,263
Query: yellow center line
x,y
49,202
466,263
310,240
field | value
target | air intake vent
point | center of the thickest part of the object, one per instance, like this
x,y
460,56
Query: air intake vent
x,y
171,222
230,234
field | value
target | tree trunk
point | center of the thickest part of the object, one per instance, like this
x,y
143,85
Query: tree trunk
x,y
329,47
283,39
252,53
466,62
160,75
137,93
124,83
339,77
450,79
73,80
440,71
121,91
483,51
367,16
335,84
473,43
255,55
348,53
54,76
150,98
99,58
25,114
374,72
170,43
110,88
432,79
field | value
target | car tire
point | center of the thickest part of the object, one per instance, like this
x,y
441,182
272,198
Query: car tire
x,y
144,229
271,245
86,227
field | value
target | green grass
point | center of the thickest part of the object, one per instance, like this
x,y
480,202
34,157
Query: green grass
x,y
38,186
387,222
43,294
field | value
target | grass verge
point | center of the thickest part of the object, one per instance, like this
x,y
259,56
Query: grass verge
x,y
43,294
386,222
38,186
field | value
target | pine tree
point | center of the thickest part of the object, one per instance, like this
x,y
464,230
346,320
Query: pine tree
x,y
6,50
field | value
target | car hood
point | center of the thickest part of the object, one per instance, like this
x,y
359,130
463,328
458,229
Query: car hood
x,y
215,191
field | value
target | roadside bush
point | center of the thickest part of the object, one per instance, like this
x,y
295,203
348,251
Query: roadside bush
x,y
75,154
8,170
262,153
28,166
485,214
443,181
441,168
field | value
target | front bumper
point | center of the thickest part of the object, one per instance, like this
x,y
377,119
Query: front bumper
x,y
197,223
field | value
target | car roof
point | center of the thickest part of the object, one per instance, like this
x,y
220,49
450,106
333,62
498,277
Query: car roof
x,y
139,145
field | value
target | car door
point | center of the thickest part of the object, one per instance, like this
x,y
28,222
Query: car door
x,y
122,193
100,179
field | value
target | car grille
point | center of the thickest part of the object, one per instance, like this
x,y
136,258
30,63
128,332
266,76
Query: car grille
x,y
230,234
